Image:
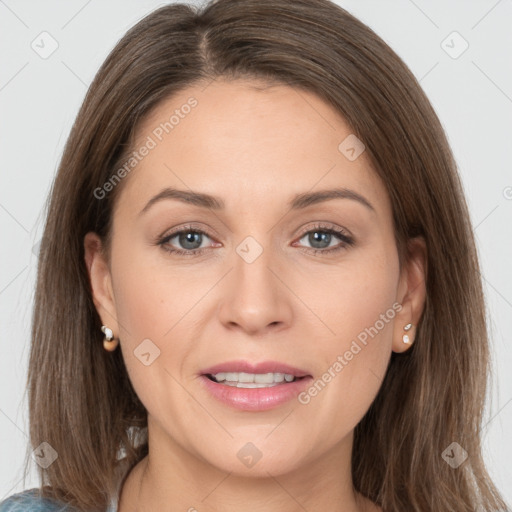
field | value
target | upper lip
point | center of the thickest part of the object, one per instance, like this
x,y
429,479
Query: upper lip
x,y
247,367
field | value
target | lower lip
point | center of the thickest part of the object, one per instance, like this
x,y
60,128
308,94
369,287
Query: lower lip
x,y
255,399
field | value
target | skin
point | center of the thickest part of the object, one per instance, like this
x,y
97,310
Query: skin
x,y
255,149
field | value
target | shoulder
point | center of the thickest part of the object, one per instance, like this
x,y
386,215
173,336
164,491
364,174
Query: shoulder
x,y
30,501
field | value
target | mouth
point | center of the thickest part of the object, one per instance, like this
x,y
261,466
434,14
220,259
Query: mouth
x,y
258,387
243,374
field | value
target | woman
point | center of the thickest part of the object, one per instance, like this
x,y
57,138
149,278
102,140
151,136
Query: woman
x,y
258,283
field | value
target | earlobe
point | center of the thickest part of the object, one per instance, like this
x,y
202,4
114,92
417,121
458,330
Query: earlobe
x,y
100,280
412,295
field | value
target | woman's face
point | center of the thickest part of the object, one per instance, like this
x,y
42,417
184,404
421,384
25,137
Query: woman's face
x,y
268,282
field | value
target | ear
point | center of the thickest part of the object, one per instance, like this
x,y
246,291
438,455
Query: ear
x,y
101,281
411,293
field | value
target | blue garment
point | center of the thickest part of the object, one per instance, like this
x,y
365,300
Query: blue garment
x,y
29,501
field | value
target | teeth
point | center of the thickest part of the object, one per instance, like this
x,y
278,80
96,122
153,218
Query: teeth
x,y
252,380
249,384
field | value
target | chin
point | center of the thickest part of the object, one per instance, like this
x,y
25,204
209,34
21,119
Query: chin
x,y
250,459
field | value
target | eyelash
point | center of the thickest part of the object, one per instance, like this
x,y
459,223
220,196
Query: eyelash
x,y
346,241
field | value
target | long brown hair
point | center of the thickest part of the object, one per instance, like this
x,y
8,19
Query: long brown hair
x,y
81,401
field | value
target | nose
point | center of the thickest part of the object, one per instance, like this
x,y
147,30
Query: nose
x,y
255,298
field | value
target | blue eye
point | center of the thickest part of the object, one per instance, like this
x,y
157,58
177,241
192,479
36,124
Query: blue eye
x,y
187,236
324,236
191,239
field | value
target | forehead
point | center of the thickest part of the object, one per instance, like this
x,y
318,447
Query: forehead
x,y
236,139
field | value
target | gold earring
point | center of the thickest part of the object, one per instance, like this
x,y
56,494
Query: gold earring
x,y
109,343
405,337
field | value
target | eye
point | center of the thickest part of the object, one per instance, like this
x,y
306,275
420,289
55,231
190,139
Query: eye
x,y
321,236
188,237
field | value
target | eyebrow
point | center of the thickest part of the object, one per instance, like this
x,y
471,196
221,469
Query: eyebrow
x,y
298,202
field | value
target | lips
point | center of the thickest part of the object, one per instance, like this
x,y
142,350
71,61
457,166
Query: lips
x,y
258,368
254,399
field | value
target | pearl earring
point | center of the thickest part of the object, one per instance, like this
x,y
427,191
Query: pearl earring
x,y
109,343
405,337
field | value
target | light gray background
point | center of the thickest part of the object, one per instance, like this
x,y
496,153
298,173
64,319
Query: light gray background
x,y
39,99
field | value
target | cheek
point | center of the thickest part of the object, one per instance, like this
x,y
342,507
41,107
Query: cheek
x,y
144,316
152,349
150,293
157,305
351,296
355,355
138,299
